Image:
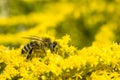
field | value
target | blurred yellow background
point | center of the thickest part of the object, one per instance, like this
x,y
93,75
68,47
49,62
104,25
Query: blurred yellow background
x,y
81,19
86,30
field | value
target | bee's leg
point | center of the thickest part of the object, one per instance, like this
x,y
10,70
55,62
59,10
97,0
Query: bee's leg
x,y
51,48
22,51
43,49
29,55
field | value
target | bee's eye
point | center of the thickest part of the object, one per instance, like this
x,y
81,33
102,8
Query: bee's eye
x,y
54,44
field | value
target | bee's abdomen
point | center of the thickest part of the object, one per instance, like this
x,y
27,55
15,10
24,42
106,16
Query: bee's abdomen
x,y
26,48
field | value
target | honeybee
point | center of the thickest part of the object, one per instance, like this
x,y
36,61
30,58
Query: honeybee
x,y
38,45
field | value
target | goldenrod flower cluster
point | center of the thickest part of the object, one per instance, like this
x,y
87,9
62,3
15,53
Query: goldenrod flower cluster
x,y
94,62
82,19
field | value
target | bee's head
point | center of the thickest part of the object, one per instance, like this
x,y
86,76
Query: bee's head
x,y
54,44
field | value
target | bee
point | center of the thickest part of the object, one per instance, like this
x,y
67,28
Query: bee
x,y
38,45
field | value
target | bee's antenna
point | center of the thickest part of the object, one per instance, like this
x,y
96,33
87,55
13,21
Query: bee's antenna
x,y
33,38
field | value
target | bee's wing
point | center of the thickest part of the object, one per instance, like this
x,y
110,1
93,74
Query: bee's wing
x,y
34,38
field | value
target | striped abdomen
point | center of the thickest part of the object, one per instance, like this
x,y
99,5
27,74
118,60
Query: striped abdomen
x,y
27,47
